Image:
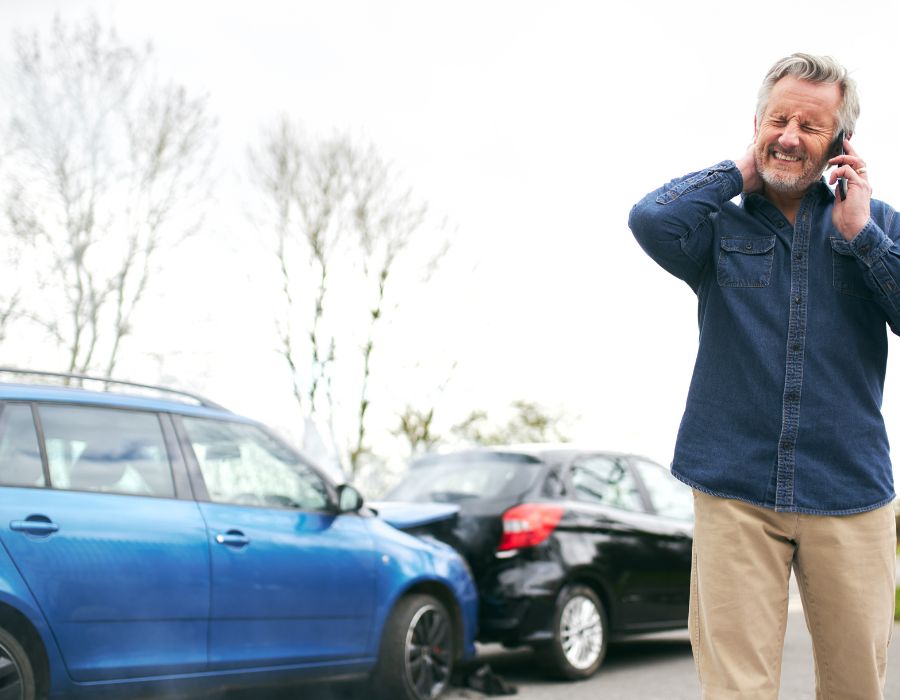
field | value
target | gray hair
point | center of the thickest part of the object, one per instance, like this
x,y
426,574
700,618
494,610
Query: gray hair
x,y
815,69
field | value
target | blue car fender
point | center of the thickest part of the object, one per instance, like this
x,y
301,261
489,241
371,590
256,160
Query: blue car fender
x,y
408,562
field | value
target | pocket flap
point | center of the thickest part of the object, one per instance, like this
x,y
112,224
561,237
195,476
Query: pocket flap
x,y
750,246
841,247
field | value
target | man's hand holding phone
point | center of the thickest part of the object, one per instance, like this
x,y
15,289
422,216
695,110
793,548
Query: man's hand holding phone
x,y
851,211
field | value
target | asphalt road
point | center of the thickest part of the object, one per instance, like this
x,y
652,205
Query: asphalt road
x,y
642,668
661,666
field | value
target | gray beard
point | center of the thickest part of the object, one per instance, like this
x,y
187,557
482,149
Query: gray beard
x,y
789,184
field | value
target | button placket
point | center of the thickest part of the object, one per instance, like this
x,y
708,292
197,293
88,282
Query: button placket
x,y
793,378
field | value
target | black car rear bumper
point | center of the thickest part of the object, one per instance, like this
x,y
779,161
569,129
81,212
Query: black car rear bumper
x,y
518,599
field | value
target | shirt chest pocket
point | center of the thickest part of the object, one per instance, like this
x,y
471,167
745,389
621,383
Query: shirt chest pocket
x,y
846,271
745,262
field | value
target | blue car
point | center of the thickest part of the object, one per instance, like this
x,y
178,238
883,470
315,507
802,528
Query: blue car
x,y
166,544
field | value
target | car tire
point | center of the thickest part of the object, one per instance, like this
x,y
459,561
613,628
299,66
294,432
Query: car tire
x,y
580,632
417,651
17,676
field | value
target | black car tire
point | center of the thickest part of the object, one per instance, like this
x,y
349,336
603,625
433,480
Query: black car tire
x,y
417,651
579,635
17,677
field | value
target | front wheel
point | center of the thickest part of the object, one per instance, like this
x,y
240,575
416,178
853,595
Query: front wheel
x,y
17,678
417,651
579,635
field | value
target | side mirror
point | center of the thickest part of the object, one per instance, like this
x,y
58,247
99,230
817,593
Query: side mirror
x,y
349,499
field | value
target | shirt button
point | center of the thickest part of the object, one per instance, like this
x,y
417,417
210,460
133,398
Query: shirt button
x,y
780,224
864,249
749,246
797,300
791,397
795,347
798,256
787,445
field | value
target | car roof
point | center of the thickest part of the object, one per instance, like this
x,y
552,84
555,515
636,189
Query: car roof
x,y
543,451
117,399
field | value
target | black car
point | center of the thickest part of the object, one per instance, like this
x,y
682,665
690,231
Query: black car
x,y
569,547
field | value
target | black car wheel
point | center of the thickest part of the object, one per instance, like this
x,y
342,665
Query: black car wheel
x,y
17,681
417,651
579,634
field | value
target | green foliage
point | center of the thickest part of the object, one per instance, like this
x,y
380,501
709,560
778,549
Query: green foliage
x,y
416,427
530,422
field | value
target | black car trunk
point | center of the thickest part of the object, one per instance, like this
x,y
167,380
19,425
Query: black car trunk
x,y
483,486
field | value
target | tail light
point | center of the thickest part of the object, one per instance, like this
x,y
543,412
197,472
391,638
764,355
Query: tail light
x,y
528,525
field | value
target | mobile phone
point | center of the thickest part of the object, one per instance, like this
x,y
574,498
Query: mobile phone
x,y
837,149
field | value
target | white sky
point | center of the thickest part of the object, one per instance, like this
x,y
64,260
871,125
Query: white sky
x,y
533,127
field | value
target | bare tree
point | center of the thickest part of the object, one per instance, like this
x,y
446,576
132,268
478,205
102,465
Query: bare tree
x,y
9,310
306,187
341,224
276,168
386,220
10,283
104,165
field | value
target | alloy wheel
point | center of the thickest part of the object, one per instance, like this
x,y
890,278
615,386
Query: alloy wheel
x,y
11,684
428,652
581,632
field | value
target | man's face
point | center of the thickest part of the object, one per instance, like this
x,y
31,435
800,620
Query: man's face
x,y
794,138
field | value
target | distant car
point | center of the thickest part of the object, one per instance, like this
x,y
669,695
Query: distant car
x,y
170,545
569,547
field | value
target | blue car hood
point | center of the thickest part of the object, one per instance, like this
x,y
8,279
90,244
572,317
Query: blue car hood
x,y
405,516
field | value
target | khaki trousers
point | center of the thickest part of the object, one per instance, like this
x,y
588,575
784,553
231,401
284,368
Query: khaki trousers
x,y
742,559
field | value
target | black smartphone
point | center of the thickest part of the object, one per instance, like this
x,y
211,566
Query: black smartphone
x,y
837,149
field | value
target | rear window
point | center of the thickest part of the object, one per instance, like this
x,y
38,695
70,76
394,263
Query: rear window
x,y
106,450
20,456
457,478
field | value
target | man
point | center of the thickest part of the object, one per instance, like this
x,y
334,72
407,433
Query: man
x,y
782,437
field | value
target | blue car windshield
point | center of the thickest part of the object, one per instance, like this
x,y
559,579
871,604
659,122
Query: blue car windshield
x,y
463,477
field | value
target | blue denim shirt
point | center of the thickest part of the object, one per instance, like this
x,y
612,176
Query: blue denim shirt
x,y
784,407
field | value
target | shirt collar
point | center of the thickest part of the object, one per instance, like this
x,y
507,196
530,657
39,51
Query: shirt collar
x,y
755,203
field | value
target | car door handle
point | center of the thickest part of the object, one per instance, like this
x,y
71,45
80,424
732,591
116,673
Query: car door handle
x,y
233,538
35,525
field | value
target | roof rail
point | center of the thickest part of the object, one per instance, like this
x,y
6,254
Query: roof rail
x,y
118,382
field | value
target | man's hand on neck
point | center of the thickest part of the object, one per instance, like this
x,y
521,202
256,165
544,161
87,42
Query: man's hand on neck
x,y
747,165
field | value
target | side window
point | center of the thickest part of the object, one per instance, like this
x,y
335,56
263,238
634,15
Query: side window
x,y
243,464
107,450
605,480
669,496
20,455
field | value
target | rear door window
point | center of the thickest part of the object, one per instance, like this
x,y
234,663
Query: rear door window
x,y
106,450
20,455
606,480
670,497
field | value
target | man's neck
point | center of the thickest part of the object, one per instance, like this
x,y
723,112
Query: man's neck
x,y
788,203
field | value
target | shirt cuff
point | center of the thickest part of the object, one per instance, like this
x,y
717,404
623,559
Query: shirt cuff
x,y
733,183
870,244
